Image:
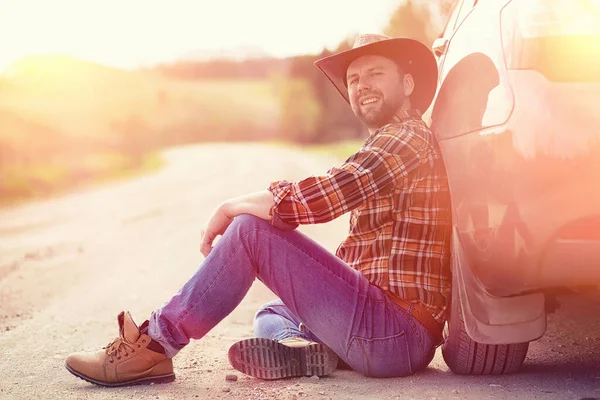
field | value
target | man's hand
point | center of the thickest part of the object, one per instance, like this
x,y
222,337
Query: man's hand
x,y
216,225
258,204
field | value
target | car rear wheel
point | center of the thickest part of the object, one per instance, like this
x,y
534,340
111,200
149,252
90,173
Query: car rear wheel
x,y
465,356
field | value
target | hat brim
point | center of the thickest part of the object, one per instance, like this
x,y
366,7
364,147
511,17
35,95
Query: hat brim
x,y
412,56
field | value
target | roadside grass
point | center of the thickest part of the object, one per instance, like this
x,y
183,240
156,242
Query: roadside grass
x,y
87,101
67,123
45,180
340,150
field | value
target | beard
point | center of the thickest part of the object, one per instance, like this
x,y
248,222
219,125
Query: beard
x,y
376,115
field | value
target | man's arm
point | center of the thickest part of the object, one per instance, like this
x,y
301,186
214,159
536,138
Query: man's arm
x,y
258,204
375,169
383,163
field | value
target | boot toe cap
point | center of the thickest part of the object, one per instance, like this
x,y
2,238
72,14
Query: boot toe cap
x,y
87,364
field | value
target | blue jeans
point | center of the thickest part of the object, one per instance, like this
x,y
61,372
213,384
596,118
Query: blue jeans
x,y
337,304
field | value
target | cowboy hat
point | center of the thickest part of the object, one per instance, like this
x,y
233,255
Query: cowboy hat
x,y
411,55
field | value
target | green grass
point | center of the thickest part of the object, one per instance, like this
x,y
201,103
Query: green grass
x,y
84,100
61,118
44,180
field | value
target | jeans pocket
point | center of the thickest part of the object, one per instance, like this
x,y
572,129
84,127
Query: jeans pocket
x,y
380,357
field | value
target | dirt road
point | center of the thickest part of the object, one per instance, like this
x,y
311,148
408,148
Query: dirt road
x,y
69,265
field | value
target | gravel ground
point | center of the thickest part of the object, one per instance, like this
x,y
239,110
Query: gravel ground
x,y
69,265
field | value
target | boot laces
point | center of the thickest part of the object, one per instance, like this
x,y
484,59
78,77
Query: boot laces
x,y
117,347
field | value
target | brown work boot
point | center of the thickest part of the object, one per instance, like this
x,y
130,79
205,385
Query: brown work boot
x,y
272,359
127,360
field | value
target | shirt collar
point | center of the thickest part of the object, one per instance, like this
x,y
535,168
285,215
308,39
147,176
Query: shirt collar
x,y
406,115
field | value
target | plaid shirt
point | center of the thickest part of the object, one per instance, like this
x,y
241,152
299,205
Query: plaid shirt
x,y
396,189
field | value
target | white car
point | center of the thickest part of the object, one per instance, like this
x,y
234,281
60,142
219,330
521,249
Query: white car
x,y
517,116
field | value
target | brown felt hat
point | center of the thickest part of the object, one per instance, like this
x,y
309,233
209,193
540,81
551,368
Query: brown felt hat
x,y
411,55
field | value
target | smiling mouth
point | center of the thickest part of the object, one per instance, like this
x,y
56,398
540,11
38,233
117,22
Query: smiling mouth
x,y
369,100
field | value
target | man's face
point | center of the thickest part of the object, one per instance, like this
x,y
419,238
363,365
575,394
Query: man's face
x,y
376,90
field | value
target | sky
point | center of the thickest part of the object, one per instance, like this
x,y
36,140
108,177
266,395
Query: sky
x,y
133,33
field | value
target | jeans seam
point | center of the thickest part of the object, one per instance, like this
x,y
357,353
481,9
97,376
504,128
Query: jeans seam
x,y
361,340
288,328
185,315
168,338
320,263
411,320
362,347
416,328
361,296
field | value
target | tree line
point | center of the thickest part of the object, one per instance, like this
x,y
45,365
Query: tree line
x,y
311,109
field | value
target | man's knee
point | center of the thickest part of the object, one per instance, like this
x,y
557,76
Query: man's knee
x,y
244,222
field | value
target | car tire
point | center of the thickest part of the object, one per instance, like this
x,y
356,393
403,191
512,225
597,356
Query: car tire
x,y
465,356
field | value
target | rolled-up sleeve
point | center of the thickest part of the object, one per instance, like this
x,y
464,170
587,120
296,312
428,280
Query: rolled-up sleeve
x,y
375,169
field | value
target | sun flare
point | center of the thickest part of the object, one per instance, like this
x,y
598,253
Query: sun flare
x,y
134,32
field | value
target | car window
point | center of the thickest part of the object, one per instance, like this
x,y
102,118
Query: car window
x,y
557,38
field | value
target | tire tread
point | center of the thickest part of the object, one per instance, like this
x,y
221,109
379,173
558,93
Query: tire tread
x,y
465,356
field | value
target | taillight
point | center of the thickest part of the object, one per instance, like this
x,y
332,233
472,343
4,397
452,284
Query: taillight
x,y
558,38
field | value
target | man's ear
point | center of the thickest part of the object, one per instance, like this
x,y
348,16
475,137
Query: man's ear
x,y
409,84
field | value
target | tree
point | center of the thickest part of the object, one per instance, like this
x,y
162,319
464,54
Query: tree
x,y
419,19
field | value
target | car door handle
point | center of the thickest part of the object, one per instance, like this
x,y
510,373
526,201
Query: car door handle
x,y
439,46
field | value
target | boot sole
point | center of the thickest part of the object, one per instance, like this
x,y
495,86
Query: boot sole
x,y
147,380
268,359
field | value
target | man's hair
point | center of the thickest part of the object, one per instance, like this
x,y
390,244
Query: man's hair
x,y
401,70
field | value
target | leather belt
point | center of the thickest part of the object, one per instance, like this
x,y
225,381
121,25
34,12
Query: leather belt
x,y
420,313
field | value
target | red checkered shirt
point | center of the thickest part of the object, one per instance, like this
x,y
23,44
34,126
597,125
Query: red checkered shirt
x,y
396,189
